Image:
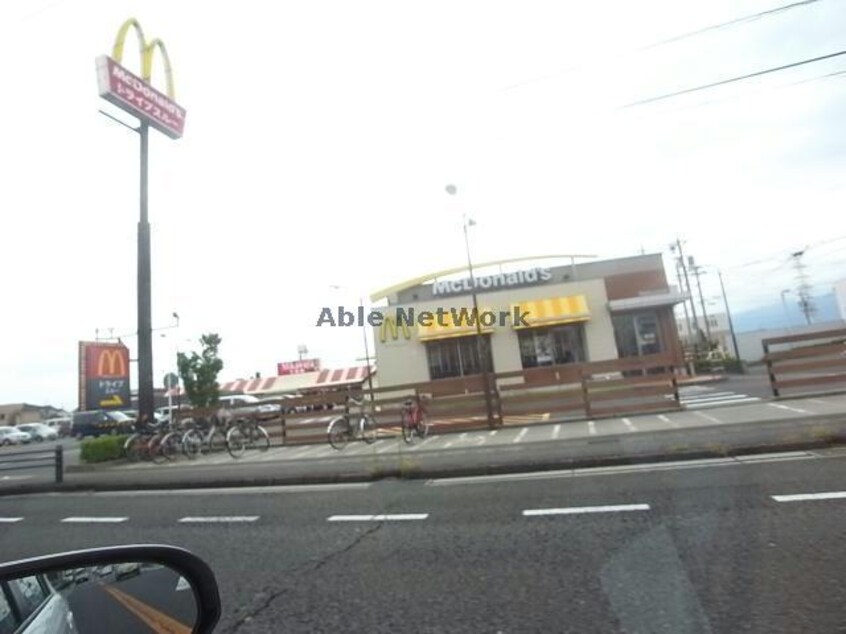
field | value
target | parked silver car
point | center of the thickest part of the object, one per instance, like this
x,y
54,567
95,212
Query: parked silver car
x,y
13,436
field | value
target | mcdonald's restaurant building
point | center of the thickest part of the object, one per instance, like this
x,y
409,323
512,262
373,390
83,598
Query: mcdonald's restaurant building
x,y
594,311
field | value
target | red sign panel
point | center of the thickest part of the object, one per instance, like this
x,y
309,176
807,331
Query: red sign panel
x,y
298,367
103,376
131,93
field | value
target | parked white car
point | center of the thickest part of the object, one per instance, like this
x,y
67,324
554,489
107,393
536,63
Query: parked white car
x,y
39,431
12,436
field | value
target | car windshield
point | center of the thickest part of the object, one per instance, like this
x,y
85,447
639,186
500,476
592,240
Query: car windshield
x,y
435,316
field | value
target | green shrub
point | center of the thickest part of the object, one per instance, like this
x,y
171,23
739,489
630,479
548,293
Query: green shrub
x,y
102,449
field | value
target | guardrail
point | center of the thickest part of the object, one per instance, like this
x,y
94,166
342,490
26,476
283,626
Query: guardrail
x,y
35,459
820,359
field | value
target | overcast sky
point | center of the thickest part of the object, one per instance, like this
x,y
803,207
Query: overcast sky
x,y
320,136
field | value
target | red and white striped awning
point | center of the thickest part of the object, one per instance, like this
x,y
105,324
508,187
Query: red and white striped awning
x,y
343,376
291,383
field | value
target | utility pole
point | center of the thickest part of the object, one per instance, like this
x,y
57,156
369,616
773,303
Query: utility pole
x,y
697,271
728,314
684,304
690,294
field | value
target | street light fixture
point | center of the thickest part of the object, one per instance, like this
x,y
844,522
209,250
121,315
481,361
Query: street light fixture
x,y
452,190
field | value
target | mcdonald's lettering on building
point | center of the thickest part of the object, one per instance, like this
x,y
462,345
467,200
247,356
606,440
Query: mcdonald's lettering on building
x,y
563,312
104,376
390,330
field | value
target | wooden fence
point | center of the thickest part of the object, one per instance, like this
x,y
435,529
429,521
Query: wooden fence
x,y
818,360
575,391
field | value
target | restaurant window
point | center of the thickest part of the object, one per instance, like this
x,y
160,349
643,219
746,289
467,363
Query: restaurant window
x,y
637,334
552,346
456,356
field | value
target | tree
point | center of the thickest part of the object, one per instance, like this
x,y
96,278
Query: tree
x,y
199,372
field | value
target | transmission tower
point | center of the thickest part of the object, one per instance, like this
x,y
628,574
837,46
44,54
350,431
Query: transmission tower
x,y
803,286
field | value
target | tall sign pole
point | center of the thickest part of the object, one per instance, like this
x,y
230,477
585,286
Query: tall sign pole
x,y
146,399
137,96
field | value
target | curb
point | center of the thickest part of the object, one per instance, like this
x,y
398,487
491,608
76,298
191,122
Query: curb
x,y
432,473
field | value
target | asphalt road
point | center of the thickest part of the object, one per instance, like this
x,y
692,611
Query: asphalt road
x,y
701,548
133,604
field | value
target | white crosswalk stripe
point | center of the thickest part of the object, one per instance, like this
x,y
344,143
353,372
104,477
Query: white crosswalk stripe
x,y
709,397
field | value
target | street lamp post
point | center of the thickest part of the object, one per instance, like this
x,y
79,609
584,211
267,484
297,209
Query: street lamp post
x,y
786,312
480,343
366,344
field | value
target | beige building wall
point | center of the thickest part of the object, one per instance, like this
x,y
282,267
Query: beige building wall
x,y
403,360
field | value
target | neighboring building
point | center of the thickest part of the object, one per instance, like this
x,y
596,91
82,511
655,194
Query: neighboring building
x,y
719,328
21,413
594,311
751,343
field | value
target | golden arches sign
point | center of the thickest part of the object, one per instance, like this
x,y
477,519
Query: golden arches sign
x,y
136,95
147,51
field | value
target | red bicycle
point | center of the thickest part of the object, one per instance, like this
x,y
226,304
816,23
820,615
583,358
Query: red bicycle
x,y
414,420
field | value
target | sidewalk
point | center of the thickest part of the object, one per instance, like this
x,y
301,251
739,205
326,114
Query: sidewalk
x,y
764,426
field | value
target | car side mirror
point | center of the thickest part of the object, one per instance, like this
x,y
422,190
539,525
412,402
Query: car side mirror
x,y
115,589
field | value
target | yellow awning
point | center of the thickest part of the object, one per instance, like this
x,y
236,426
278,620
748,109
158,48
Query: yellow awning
x,y
554,310
452,328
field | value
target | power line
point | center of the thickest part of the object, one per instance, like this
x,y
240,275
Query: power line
x,y
723,82
711,102
723,25
781,255
675,38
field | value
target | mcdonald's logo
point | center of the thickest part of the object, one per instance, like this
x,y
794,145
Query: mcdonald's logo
x,y
390,325
134,94
111,363
147,51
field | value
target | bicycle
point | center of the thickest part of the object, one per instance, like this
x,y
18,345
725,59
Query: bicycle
x,y
137,446
246,434
342,430
144,444
173,442
205,436
414,420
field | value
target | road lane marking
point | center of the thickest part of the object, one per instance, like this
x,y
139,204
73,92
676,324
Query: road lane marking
x,y
448,445
158,622
629,425
710,419
462,436
94,520
668,420
592,428
577,510
556,431
10,520
217,519
788,408
519,437
804,497
493,433
397,517
817,401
